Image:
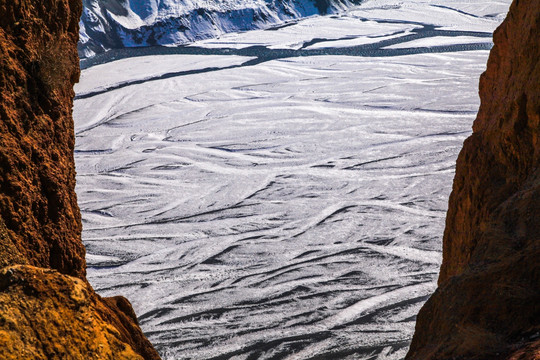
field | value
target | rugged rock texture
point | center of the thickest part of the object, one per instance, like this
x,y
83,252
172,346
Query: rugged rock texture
x,y
47,308
38,205
72,325
487,305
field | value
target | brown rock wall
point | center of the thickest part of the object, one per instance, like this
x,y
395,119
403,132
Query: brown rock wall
x,y
487,305
505,147
38,67
47,308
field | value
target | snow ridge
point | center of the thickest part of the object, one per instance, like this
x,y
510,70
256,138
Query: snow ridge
x,y
107,24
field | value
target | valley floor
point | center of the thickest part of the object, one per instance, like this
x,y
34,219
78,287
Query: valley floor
x,y
281,194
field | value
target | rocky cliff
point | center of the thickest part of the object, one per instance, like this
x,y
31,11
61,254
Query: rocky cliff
x,y
487,305
47,308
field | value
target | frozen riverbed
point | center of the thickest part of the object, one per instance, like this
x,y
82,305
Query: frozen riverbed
x,y
281,194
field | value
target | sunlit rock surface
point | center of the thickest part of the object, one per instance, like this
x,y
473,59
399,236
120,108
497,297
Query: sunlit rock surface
x,y
281,194
47,315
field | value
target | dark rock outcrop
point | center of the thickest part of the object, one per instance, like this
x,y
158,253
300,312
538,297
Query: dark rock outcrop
x,y
47,308
487,305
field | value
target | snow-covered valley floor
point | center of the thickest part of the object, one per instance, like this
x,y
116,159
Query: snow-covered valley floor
x,y
281,194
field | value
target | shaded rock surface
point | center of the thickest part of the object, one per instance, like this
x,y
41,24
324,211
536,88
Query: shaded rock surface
x,y
487,305
48,309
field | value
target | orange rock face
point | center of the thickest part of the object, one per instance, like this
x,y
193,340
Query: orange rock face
x,y
47,315
47,308
487,305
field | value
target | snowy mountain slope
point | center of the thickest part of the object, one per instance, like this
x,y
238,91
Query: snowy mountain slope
x,y
107,24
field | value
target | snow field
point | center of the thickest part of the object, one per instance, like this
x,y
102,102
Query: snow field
x,y
286,208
